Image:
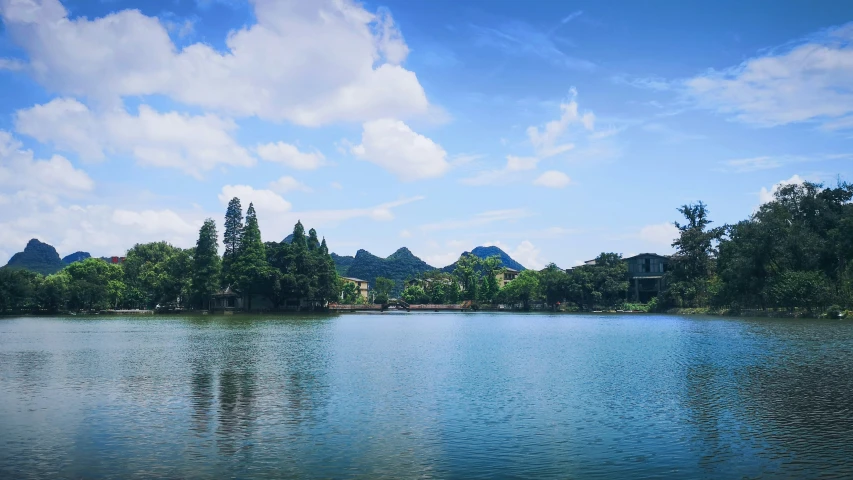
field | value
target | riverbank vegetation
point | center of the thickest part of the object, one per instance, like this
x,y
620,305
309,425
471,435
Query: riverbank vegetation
x,y
791,256
298,273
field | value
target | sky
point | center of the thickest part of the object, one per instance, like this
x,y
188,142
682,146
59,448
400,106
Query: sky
x,y
555,130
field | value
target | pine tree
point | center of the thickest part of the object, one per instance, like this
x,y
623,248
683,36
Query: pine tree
x,y
324,249
206,264
313,242
299,235
250,267
231,238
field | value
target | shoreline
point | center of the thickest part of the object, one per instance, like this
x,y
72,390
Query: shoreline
x,y
713,312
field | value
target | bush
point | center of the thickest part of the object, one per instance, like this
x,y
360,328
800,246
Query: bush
x,y
835,312
653,305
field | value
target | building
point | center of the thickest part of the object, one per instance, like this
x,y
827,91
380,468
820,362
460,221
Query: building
x,y
506,275
645,276
226,300
359,283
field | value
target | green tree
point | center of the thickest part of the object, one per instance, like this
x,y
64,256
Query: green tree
x,y
18,288
94,284
158,273
231,238
467,273
489,287
555,285
207,266
415,294
523,290
692,265
349,292
250,268
55,292
382,287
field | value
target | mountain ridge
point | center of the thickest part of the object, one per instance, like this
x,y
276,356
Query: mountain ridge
x,y
486,252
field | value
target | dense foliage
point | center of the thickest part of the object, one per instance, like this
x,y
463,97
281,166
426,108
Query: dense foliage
x,y
301,274
792,253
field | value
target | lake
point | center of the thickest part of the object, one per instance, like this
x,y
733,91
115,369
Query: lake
x,y
425,395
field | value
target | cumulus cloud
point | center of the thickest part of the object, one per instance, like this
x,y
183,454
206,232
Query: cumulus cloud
x,y
394,146
552,179
289,184
289,155
525,253
806,82
766,196
101,230
661,234
353,59
545,140
22,175
190,143
265,201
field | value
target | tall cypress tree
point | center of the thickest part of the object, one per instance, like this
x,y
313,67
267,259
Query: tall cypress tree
x,y
250,268
207,265
299,235
231,238
313,241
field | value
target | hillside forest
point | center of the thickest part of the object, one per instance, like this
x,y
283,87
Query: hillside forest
x,y
791,254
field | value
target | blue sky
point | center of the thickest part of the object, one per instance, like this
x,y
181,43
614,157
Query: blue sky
x,y
555,130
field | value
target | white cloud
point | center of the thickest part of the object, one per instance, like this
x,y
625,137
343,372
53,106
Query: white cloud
x,y
289,184
504,175
766,196
753,164
545,140
310,63
478,220
553,179
392,145
266,202
98,229
525,253
809,82
662,234
439,260
38,179
11,64
291,156
405,234
192,144
154,221
336,186
766,162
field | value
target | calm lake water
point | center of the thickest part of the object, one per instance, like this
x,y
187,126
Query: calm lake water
x,y
425,395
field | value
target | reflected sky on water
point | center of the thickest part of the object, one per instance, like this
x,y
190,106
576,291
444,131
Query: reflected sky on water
x,y
425,395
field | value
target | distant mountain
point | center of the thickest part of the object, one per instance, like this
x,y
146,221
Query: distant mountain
x,y
342,263
76,257
288,239
486,252
37,257
399,266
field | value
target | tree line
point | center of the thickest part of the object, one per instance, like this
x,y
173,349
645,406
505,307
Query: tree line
x,y
793,253
299,274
